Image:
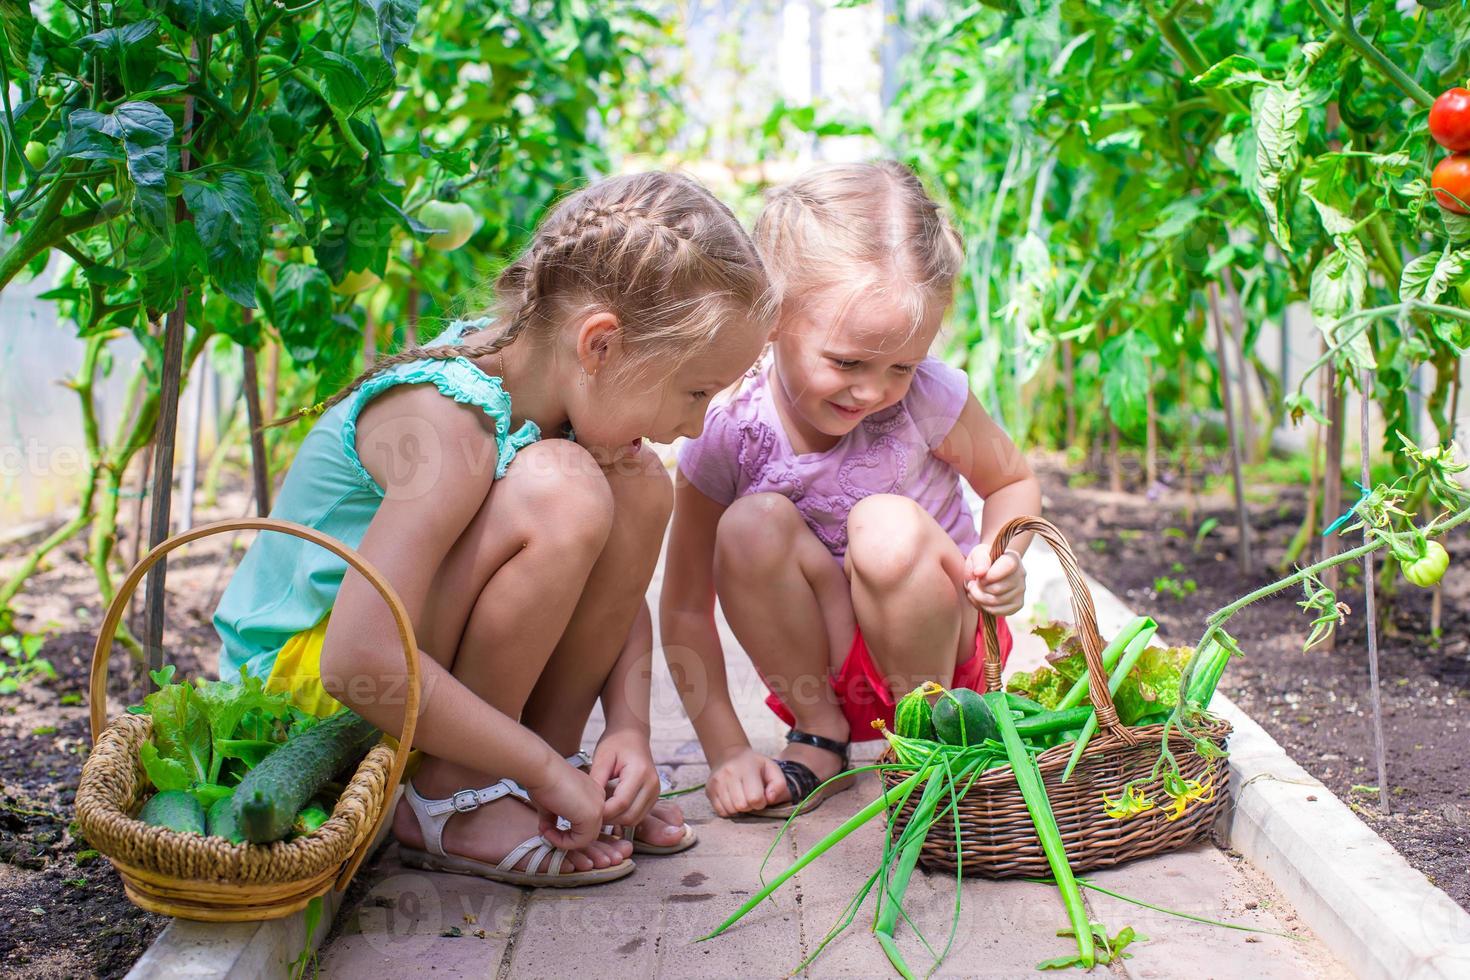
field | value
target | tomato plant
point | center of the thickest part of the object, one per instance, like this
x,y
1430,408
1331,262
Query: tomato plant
x,y
255,168
1128,174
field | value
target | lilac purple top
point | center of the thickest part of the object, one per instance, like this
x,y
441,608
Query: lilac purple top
x,y
744,450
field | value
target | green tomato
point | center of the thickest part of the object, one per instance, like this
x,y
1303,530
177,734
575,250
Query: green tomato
x,y
51,94
1464,290
455,219
1428,568
37,154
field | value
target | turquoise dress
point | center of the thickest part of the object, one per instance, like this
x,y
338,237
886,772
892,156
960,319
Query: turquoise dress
x,y
286,585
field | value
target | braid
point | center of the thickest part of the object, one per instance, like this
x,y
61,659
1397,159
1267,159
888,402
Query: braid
x,y
438,352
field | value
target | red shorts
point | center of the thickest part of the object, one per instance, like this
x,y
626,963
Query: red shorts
x,y
864,694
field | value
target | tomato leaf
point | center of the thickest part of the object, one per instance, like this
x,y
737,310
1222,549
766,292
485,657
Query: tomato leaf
x,y
227,218
1125,376
1276,116
1338,284
143,131
343,83
1429,276
204,17
395,23
19,25
1231,72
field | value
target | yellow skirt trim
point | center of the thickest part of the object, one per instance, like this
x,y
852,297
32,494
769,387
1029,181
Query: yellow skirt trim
x,y
298,672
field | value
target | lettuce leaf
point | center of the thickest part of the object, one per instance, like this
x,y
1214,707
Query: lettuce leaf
x,y
1153,684
197,728
180,728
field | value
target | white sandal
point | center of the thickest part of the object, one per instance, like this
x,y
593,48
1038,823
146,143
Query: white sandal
x,y
629,832
432,815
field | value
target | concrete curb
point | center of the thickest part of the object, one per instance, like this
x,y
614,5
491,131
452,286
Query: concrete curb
x,y
1382,919
239,950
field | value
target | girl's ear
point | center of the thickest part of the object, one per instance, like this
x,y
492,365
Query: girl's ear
x,y
599,339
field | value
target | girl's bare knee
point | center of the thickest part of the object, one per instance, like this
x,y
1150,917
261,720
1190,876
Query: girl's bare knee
x,y
755,532
562,491
888,537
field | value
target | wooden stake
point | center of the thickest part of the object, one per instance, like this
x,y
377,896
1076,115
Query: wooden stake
x,y
168,425
140,531
1151,437
1115,465
1370,612
1069,386
190,478
411,304
1242,515
1247,400
259,462
1332,479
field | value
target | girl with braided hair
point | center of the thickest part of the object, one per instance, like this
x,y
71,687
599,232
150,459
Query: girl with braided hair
x,y
521,558
822,503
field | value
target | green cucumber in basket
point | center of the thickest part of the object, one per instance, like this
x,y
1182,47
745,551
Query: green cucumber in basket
x,y
174,809
222,820
271,795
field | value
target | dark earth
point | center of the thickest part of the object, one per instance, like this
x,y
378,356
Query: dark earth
x,y
1315,704
63,912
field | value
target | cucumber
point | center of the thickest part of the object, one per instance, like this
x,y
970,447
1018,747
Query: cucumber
x,y
222,821
271,795
175,810
961,717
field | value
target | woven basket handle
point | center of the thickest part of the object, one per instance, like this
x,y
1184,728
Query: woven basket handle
x,y
103,650
1083,612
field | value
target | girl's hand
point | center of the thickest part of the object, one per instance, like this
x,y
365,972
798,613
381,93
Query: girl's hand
x,y
746,781
575,796
627,758
998,588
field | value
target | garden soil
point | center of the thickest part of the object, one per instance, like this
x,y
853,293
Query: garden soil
x,y
62,908
1142,546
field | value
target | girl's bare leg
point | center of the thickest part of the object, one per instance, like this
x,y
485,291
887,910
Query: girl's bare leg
x,y
907,592
788,603
607,623
502,599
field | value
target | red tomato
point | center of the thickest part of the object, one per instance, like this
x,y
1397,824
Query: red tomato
x,y
1449,119
1452,180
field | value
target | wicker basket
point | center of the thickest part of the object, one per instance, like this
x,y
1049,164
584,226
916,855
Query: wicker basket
x,y
207,878
996,836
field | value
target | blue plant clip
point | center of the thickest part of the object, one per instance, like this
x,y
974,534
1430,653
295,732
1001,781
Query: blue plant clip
x,y
1364,494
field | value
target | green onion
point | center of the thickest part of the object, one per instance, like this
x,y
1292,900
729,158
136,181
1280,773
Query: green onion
x,y
1130,658
914,835
1033,791
1110,656
901,792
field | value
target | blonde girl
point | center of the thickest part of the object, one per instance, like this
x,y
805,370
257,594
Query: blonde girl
x,y
823,505
521,555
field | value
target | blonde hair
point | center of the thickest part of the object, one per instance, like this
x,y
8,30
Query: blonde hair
x,y
657,250
856,225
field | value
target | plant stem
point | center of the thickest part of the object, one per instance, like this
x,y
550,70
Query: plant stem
x,y
1344,27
